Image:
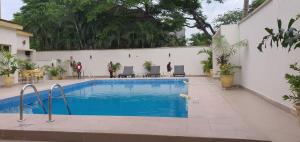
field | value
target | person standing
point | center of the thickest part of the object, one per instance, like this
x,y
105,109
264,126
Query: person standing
x,y
110,69
169,69
79,68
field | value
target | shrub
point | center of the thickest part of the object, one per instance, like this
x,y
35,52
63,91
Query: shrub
x,y
147,65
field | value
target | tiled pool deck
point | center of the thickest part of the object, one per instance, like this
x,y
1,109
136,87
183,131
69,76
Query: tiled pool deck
x,y
214,113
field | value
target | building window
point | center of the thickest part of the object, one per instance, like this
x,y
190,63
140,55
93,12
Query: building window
x,y
4,47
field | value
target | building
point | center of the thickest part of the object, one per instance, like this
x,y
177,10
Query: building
x,y
15,40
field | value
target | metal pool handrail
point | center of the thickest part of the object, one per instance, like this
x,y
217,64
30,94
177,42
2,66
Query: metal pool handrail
x,y
50,101
21,100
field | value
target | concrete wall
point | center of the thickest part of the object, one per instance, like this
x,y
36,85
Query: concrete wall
x,y
264,72
97,66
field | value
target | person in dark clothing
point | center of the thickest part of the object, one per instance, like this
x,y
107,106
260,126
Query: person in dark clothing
x,y
169,68
110,69
79,68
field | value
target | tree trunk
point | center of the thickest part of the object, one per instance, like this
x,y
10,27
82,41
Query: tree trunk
x,y
246,7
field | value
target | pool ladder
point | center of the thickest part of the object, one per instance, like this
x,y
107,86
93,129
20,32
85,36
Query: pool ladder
x,y
37,94
50,92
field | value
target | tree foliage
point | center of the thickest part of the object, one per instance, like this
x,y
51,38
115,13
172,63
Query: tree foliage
x,y
97,24
255,4
234,16
200,39
230,17
94,24
188,10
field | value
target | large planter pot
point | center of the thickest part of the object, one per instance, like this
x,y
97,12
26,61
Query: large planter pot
x,y
74,74
211,73
55,77
227,81
298,113
8,81
115,74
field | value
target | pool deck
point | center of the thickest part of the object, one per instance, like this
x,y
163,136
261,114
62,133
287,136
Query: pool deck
x,y
215,115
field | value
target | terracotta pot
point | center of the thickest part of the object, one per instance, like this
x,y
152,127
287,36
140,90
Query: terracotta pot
x,y
227,81
8,81
298,113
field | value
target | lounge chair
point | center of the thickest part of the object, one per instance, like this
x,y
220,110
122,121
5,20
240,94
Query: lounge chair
x,y
154,71
179,71
128,71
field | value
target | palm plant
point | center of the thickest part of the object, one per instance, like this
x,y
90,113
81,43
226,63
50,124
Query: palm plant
x,y
116,67
225,50
207,64
147,65
222,47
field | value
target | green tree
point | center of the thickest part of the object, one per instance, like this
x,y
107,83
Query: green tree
x,y
234,16
200,39
230,17
255,4
90,24
183,11
98,24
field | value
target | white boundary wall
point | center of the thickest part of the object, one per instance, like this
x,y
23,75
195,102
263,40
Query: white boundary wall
x,y
264,72
97,66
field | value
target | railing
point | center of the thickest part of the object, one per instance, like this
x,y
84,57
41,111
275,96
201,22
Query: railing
x,y
50,101
21,100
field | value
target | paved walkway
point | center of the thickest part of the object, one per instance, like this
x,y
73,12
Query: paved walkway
x,y
213,113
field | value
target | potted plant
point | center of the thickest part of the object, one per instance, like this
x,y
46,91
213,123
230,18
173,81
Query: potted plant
x,y
227,75
147,65
26,65
8,66
116,67
55,72
207,65
290,39
294,82
224,51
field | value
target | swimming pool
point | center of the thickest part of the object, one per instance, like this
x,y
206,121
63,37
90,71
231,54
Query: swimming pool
x,y
130,97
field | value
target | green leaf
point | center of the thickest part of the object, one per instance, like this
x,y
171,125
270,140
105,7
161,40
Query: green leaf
x,y
292,21
270,31
285,97
260,47
297,45
279,23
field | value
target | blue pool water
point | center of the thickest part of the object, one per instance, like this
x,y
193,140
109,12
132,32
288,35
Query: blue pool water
x,y
153,97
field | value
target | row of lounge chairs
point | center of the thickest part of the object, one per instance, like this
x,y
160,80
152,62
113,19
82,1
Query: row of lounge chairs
x,y
154,71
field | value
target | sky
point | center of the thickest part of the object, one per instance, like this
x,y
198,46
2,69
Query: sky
x,y
9,7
